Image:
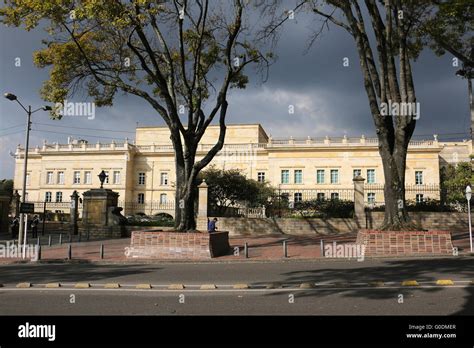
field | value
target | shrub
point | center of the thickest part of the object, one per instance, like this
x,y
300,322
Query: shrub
x,y
336,208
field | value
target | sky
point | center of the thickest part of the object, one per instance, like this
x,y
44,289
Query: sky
x,y
329,99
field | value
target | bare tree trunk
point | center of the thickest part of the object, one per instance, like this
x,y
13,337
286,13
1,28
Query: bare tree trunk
x,y
185,186
396,217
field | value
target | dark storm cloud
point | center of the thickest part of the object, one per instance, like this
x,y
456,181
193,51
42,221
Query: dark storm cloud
x,y
329,99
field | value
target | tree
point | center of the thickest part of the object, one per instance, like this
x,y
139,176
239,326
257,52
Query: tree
x,y
175,55
454,180
228,188
383,32
448,27
6,185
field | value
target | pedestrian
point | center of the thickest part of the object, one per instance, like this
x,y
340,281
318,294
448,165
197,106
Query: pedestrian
x,y
34,226
15,227
211,225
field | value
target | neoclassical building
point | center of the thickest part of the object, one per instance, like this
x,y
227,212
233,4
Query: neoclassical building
x,y
143,173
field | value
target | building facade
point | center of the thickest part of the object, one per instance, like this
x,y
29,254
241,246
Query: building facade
x,y
143,171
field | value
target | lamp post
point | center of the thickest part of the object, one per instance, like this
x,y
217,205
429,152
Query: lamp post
x,y
468,197
29,112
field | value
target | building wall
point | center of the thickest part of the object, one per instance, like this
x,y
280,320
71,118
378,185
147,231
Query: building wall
x,y
455,152
247,147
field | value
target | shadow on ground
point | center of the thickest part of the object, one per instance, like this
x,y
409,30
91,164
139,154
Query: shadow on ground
x,y
397,271
68,272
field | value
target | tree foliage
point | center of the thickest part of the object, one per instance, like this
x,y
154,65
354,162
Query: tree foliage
x,y
175,55
231,188
448,26
6,185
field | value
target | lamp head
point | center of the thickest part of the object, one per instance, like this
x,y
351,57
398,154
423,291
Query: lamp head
x,y
102,176
10,96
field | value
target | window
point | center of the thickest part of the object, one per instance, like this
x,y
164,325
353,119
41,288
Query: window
x,y
49,178
59,197
357,172
321,196
106,177
320,176
285,176
28,179
87,178
61,178
419,178
298,176
334,176
77,178
419,198
334,195
164,179
371,197
47,197
370,176
141,178
163,198
116,178
141,198
298,197
261,176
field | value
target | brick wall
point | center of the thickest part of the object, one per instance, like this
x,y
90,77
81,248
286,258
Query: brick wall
x,y
262,226
396,243
451,221
100,232
178,245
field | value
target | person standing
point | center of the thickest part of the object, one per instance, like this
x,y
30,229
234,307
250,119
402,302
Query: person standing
x,y
15,227
34,226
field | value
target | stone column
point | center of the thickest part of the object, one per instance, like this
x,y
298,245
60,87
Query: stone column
x,y
101,215
359,204
201,223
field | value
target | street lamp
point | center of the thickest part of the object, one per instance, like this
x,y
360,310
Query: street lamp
x,y
102,176
468,197
29,112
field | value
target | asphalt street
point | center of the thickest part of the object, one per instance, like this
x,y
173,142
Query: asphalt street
x,y
338,288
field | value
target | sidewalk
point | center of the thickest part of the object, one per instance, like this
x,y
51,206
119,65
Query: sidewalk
x,y
259,248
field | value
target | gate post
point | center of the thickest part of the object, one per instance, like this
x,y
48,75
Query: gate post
x,y
359,205
201,223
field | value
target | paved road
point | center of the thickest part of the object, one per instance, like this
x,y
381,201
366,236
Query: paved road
x,y
339,288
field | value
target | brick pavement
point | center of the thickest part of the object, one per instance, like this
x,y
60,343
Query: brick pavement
x,y
260,248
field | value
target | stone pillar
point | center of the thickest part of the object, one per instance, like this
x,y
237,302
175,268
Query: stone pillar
x,y
201,223
101,218
74,213
359,204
